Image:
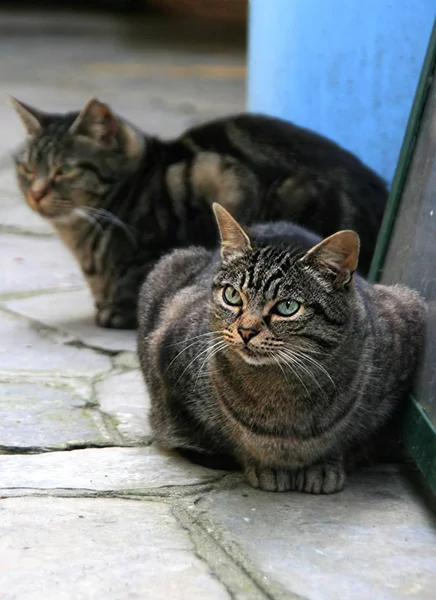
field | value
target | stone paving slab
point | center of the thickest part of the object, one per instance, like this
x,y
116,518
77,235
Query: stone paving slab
x,y
169,89
74,313
35,416
25,349
125,398
102,470
374,540
126,361
29,263
95,549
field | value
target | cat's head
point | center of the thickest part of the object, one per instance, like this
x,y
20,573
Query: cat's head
x,y
274,304
70,161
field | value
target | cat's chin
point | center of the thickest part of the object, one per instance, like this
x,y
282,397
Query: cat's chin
x,y
62,217
57,218
65,218
254,358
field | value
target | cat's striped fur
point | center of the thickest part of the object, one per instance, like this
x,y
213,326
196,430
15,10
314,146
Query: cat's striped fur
x,y
120,199
289,397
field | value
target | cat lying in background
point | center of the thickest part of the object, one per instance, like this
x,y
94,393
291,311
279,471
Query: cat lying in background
x,y
275,352
120,199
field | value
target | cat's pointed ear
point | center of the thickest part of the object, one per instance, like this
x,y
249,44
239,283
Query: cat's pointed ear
x,y
338,253
96,121
31,118
234,240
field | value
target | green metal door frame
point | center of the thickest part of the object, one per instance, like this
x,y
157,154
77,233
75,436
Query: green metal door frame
x,y
420,432
407,148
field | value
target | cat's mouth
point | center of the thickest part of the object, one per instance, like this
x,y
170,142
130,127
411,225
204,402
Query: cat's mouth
x,y
47,213
58,214
49,203
50,209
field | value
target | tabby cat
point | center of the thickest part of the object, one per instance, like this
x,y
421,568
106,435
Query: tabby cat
x,y
275,352
119,199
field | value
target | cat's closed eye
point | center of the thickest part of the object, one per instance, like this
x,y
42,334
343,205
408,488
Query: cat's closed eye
x,y
66,169
26,168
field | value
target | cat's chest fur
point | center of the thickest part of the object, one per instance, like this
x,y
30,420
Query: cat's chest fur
x,y
97,277
269,418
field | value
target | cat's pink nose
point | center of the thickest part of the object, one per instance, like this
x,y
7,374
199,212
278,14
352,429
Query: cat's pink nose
x,y
247,333
36,195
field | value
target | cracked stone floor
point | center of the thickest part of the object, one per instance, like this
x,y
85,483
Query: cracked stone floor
x,y
89,507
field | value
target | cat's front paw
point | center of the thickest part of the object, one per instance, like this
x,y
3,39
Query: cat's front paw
x,y
115,317
321,478
268,479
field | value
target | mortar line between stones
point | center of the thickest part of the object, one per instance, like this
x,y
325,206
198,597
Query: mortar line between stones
x,y
272,591
210,558
163,494
47,330
37,292
14,230
34,450
107,420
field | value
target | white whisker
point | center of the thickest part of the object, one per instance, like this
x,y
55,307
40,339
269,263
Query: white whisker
x,y
314,362
209,356
108,216
88,217
195,337
308,373
276,360
184,350
208,349
298,359
285,358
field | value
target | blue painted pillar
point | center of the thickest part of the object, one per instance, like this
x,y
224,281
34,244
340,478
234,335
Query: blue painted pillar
x,y
347,69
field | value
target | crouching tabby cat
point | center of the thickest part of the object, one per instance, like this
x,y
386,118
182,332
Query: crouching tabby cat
x,y
119,199
276,354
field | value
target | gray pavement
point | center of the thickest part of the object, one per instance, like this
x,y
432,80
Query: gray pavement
x,y
90,508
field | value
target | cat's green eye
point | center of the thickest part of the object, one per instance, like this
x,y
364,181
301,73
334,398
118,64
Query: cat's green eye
x,y
286,308
232,296
65,169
